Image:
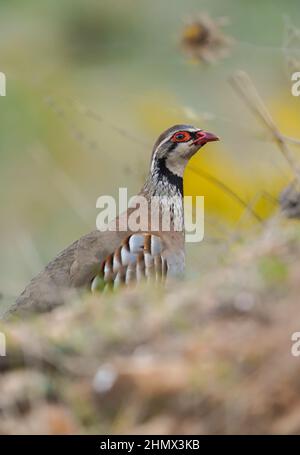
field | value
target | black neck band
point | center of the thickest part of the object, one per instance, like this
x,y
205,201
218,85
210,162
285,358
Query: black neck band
x,y
172,178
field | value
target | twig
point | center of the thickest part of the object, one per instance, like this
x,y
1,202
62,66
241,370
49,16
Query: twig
x,y
228,191
243,85
292,139
257,197
90,113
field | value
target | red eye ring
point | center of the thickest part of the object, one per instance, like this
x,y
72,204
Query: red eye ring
x,y
181,136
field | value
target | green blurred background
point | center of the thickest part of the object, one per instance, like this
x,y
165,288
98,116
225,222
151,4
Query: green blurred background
x,y
90,85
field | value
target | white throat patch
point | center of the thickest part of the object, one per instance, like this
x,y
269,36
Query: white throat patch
x,y
176,163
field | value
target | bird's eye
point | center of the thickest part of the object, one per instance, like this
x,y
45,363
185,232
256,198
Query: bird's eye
x,y
181,136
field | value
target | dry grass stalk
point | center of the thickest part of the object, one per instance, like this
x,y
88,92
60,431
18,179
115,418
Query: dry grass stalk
x,y
245,88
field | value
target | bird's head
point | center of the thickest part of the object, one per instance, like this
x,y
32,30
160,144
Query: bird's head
x,y
175,146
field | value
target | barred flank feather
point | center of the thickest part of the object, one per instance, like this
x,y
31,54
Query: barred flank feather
x,y
138,258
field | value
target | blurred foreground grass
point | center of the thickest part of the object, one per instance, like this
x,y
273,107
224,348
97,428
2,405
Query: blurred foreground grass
x,y
209,356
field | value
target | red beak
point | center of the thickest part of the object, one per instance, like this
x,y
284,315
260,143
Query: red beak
x,y
204,136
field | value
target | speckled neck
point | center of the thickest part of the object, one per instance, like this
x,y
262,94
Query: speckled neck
x,y
162,182
167,188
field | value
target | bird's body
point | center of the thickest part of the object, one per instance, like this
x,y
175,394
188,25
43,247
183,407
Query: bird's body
x,y
122,256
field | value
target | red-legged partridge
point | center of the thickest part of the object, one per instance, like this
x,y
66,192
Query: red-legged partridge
x,y
112,258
